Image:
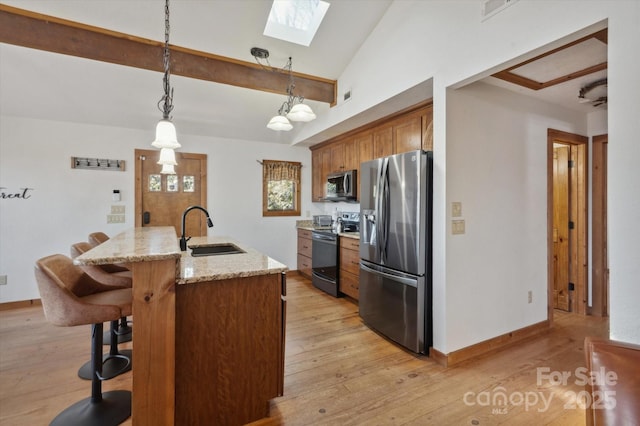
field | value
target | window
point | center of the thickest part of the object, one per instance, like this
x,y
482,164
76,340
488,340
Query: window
x,y
280,188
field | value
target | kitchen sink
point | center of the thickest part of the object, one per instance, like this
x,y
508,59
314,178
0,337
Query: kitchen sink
x,y
215,250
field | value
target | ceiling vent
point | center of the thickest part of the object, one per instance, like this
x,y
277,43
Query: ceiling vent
x,y
492,7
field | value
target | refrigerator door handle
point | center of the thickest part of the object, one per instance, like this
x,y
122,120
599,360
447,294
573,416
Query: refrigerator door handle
x,y
402,280
384,210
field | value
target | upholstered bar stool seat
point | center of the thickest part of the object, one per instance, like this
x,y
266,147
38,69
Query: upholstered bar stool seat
x,y
70,298
102,274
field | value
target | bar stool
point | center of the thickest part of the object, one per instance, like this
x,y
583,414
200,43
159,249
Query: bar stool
x,y
70,298
110,275
112,365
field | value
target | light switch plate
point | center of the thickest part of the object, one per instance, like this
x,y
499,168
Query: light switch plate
x,y
3,280
117,209
456,209
457,227
115,218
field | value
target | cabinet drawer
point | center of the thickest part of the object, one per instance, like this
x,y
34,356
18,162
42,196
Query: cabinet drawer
x,y
350,261
304,247
304,265
304,233
349,284
350,243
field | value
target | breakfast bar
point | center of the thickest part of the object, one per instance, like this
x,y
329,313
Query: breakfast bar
x,y
208,330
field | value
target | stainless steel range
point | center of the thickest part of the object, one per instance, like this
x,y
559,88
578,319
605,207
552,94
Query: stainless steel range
x,y
324,258
324,261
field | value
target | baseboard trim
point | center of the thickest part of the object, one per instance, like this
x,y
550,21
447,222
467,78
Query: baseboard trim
x,y
489,346
20,304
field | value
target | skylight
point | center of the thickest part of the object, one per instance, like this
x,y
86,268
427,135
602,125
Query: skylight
x,y
295,21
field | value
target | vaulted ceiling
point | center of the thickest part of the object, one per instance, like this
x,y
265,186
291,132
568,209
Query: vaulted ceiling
x,y
99,62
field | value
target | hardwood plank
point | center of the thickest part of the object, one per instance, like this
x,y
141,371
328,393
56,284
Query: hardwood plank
x,y
337,371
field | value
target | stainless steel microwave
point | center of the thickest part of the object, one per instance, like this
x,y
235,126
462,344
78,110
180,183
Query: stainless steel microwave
x,y
342,186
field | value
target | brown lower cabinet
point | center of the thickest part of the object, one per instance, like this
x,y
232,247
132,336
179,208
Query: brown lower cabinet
x,y
349,267
304,252
229,349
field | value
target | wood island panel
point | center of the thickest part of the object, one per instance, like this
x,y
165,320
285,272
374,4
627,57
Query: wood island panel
x,y
229,349
223,349
154,336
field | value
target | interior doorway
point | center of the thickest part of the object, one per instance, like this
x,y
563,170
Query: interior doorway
x,y
567,222
161,199
599,253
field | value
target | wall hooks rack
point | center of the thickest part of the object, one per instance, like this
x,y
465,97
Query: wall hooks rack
x,y
97,164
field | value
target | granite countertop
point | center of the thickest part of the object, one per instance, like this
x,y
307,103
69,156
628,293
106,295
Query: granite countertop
x,y
211,268
134,245
354,235
158,243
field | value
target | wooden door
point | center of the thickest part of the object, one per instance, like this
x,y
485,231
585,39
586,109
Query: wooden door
x,y
351,154
317,178
600,271
383,142
407,134
337,157
561,242
427,129
161,199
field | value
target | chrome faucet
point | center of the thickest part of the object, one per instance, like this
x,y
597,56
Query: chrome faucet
x,y
183,239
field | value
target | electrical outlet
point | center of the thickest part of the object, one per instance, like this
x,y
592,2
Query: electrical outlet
x,y
117,209
457,227
3,280
530,297
456,209
115,218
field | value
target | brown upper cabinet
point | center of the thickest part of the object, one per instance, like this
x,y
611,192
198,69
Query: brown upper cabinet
x,y
408,131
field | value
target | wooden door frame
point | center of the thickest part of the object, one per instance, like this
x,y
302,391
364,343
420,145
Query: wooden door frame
x,y
579,211
599,271
139,155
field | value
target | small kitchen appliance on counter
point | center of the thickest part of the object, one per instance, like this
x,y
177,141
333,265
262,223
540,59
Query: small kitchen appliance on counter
x,y
322,221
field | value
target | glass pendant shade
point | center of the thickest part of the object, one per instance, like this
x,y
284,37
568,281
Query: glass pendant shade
x,y
279,122
165,135
167,156
301,112
167,169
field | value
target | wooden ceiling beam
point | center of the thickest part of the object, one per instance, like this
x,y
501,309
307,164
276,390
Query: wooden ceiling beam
x,y
29,29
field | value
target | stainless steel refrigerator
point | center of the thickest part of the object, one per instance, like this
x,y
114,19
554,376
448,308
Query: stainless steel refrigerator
x,y
395,248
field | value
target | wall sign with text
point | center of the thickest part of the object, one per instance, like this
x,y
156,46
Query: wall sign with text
x,y
19,194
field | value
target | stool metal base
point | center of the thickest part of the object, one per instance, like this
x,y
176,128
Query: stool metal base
x,y
112,365
124,332
113,409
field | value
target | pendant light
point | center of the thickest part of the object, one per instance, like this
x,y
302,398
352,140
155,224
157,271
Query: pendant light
x,y
292,109
166,139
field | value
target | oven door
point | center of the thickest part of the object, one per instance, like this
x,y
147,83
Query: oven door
x,y
324,262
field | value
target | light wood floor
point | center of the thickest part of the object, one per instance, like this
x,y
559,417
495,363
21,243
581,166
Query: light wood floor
x,y
338,372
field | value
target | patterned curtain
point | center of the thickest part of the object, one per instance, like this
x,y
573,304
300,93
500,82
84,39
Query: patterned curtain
x,y
281,170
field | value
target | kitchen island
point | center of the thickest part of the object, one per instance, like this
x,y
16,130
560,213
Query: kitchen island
x,y
208,331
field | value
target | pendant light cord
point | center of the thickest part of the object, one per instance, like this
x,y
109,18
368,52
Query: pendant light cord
x,y
167,98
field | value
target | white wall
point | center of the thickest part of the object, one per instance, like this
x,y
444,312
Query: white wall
x,y
446,41
497,168
67,204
